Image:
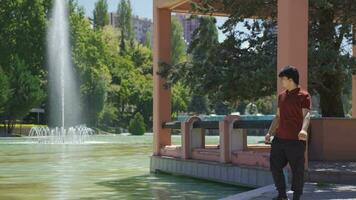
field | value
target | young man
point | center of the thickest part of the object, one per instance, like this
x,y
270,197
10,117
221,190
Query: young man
x,y
289,129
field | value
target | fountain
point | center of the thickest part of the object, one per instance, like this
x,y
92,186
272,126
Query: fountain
x,y
60,135
64,99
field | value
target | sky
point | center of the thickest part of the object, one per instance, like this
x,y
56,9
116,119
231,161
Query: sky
x,y
142,8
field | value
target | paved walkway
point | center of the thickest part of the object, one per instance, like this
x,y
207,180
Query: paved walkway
x,y
332,166
312,191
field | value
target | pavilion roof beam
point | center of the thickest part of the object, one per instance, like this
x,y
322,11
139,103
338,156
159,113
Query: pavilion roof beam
x,y
170,4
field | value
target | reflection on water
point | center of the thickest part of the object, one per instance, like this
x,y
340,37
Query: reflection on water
x,y
109,167
162,186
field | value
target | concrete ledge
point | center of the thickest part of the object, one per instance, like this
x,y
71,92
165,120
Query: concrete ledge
x,y
251,194
249,176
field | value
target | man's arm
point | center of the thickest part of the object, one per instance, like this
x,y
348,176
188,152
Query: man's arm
x,y
273,127
303,135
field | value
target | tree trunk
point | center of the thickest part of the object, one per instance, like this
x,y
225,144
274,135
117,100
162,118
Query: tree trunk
x,y
331,104
3,130
9,127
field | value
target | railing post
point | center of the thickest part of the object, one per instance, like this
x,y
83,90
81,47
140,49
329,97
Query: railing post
x,y
230,138
191,137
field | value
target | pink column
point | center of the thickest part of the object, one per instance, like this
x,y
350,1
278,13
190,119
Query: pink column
x,y
161,94
354,78
293,38
354,96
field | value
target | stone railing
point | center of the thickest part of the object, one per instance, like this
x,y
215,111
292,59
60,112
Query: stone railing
x,y
232,147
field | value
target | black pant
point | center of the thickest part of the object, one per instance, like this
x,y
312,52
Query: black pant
x,y
283,152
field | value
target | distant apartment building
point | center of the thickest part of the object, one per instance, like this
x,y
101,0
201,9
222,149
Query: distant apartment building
x,y
113,19
140,26
143,25
189,25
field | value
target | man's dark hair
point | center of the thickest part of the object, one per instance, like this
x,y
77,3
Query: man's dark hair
x,y
291,73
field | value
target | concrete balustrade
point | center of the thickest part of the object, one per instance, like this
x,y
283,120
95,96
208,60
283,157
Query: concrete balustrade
x,y
235,148
232,147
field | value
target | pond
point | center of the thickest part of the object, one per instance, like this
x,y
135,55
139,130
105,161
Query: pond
x,y
106,167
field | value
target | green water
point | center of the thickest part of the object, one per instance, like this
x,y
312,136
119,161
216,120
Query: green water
x,y
108,167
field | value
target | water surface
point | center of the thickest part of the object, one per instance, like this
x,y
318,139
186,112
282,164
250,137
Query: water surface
x,y
107,167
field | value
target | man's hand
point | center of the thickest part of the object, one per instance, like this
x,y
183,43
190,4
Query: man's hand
x,y
303,135
267,138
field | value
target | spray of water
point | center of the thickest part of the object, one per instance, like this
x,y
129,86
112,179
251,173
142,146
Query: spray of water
x,y
64,99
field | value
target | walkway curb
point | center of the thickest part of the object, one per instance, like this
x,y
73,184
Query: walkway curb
x,y
251,194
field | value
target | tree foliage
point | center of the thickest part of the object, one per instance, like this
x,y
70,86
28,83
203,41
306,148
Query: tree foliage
x,y
5,91
26,92
178,47
124,20
22,46
137,125
243,67
89,52
113,86
100,14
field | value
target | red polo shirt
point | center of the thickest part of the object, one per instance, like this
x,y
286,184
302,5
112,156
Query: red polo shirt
x,y
290,105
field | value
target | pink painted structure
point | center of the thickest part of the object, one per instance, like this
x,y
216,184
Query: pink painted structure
x,y
331,139
232,147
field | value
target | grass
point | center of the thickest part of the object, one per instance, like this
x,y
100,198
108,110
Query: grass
x,y
23,125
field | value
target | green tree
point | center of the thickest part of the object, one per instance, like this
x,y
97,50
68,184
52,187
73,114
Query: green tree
x,y
5,92
192,71
108,117
113,86
101,16
180,98
221,108
330,65
90,57
26,92
23,33
124,19
148,40
198,104
198,71
267,105
22,50
131,87
142,58
178,47
137,125
180,92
